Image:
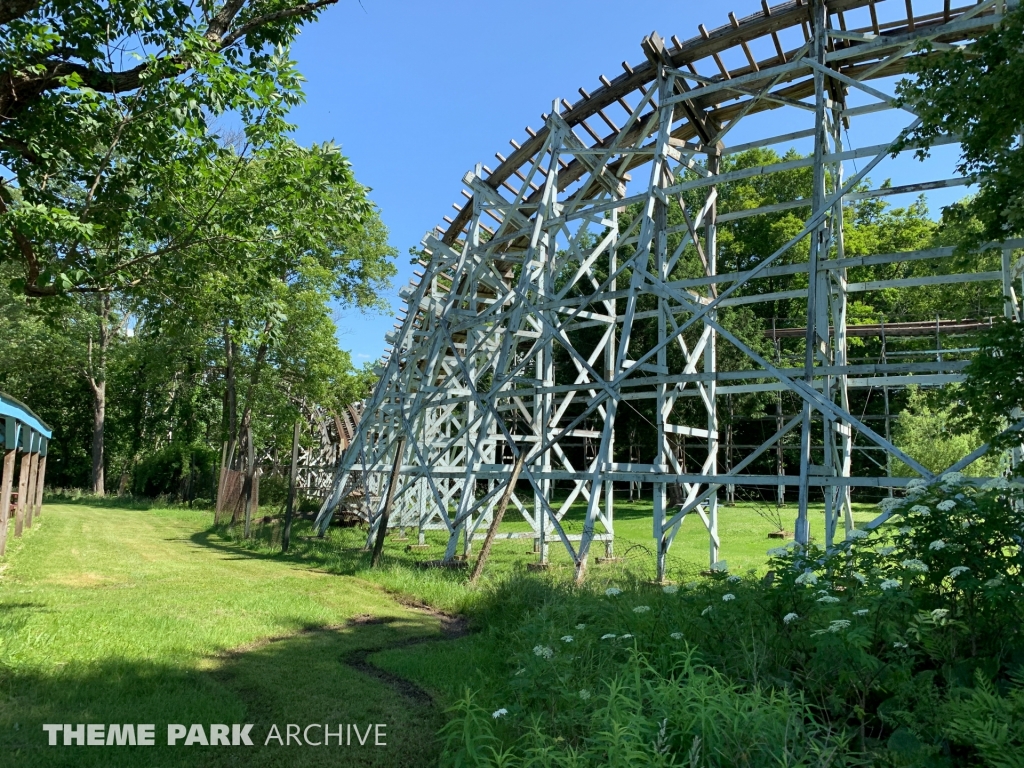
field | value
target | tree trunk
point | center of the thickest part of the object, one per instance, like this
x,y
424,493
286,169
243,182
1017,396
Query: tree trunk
x,y
97,376
230,398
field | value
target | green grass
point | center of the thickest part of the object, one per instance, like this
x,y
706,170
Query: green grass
x,y
111,616
117,613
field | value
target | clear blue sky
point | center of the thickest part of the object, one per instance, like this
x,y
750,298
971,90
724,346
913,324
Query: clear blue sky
x,y
418,92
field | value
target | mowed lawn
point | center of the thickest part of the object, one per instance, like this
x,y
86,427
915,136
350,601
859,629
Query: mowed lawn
x,y
116,616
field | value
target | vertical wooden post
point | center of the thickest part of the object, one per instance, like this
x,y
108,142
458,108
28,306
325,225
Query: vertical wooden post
x,y
218,505
6,482
250,472
286,538
499,513
33,468
385,513
23,472
40,479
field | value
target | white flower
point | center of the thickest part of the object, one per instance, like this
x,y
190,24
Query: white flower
x,y
608,637
946,505
581,626
670,589
807,577
920,509
836,626
642,609
613,591
726,598
691,584
721,565
937,544
899,645
996,582
939,613
789,617
624,637
965,523
860,577
886,551
584,694
996,484
734,579
676,635
952,478
706,611
906,529
778,552
958,570
499,713
890,584
567,638
828,599
861,612
857,533
915,565
917,482
543,650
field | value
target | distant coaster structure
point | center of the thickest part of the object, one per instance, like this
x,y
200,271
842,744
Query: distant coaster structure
x,y
565,252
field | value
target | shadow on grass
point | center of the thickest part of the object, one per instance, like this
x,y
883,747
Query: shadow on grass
x,y
313,676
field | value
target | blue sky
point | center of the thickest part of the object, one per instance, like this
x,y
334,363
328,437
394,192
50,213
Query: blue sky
x,y
416,93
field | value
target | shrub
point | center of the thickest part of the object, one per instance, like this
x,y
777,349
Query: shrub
x,y
176,470
897,647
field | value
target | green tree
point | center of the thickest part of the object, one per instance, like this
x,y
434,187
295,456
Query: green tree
x,y
97,148
974,92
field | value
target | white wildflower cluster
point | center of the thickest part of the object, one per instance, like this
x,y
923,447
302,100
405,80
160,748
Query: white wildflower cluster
x,y
543,651
886,551
691,585
952,478
584,694
920,509
940,613
915,565
609,636
499,713
727,597
613,591
789,618
997,484
581,626
670,589
625,637
567,638
857,533
905,530
642,609
734,579
965,524
958,570
778,552
676,635
807,577
828,599
835,626
946,505
898,644
890,584
916,483
996,582
890,503
860,577
861,612
721,565
937,545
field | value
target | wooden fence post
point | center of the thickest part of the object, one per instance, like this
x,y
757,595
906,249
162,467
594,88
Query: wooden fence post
x,y
6,483
30,493
41,476
286,537
499,513
385,513
23,472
